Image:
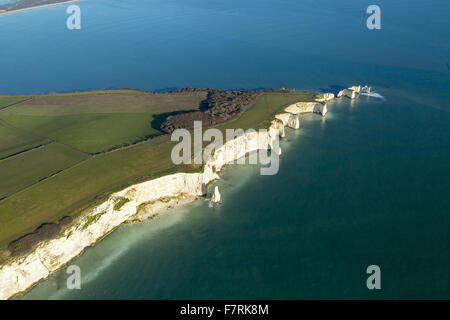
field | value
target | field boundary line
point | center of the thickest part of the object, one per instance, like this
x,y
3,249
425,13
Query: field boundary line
x,y
43,137
45,179
13,104
25,151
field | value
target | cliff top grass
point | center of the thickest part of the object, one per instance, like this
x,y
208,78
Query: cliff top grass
x,y
95,122
61,178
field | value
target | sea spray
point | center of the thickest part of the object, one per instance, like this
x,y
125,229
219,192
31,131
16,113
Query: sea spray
x,y
373,95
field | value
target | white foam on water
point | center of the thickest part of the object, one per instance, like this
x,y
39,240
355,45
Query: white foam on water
x,y
374,95
108,251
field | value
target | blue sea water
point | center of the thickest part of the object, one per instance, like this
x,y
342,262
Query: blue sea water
x,y
367,184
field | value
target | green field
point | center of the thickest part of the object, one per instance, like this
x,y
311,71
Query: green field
x,y
13,141
6,101
96,123
88,181
92,133
263,111
31,167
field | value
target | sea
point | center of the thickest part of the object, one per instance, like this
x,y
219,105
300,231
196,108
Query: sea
x,y
368,184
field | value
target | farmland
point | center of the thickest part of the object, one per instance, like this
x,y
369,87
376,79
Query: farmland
x,y
73,171
94,123
31,167
13,141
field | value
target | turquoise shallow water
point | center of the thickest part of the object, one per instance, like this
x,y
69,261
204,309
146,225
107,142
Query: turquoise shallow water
x,y
367,184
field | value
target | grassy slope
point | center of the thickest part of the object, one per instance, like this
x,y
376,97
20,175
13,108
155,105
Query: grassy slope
x,y
104,91
6,101
13,141
92,133
96,123
263,111
30,167
78,186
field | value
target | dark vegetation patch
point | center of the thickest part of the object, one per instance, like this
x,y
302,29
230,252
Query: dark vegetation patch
x,y
142,178
218,107
46,231
65,221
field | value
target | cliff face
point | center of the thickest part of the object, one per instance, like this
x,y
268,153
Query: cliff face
x,y
277,127
136,202
351,92
322,97
289,119
347,93
307,107
139,199
139,202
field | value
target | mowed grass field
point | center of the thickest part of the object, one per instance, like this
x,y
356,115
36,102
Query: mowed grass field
x,y
13,141
92,133
89,181
6,101
96,123
28,168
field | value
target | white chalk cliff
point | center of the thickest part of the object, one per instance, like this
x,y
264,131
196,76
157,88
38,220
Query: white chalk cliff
x,y
322,97
347,93
277,127
289,119
140,199
139,202
352,91
307,107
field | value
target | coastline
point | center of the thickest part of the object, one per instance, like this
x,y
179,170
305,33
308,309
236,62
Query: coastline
x,y
140,202
34,7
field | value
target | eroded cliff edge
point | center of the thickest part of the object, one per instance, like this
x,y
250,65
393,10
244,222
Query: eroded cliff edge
x,y
142,201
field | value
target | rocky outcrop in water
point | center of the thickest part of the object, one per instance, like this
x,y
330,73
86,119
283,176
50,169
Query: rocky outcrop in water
x,y
216,196
347,93
353,91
